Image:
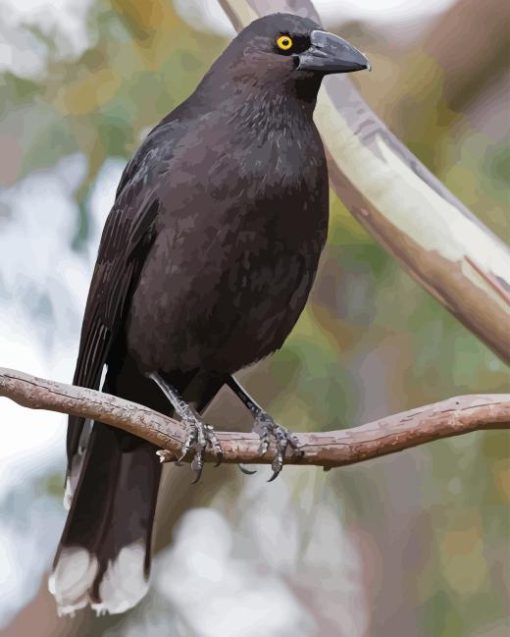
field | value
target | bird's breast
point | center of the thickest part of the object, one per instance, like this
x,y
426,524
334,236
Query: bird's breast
x,y
234,261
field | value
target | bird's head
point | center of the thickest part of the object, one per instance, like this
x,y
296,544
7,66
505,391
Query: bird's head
x,y
283,49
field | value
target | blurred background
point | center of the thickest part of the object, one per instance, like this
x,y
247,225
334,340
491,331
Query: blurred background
x,y
411,545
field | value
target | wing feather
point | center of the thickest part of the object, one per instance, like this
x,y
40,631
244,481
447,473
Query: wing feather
x,y
126,239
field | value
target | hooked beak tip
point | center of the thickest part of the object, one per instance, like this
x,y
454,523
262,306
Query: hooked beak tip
x,y
330,53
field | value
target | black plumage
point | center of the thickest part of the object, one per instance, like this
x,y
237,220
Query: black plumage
x,y
205,264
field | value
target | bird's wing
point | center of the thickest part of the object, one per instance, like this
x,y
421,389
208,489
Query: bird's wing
x,y
128,234
126,239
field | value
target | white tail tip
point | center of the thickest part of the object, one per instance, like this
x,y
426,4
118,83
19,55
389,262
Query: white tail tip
x,y
72,578
122,586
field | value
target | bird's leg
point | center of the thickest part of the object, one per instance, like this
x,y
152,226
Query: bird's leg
x,y
199,433
266,428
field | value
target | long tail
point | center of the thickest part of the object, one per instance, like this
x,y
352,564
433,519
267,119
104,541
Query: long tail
x,y
105,550
104,554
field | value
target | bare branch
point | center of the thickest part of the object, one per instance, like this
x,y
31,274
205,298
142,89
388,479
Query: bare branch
x,y
452,417
402,204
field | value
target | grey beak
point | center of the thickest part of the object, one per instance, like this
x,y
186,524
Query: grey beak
x,y
329,53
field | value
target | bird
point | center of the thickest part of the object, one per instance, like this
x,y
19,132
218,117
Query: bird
x,y
205,263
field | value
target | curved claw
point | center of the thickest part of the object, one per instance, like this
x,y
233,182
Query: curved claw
x,y
219,458
247,472
198,475
277,464
274,476
197,464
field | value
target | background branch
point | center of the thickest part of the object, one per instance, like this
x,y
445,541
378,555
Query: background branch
x,y
440,243
452,417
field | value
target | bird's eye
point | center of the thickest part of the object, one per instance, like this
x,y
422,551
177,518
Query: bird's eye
x,y
284,42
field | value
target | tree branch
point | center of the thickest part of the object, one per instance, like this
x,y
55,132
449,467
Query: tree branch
x,y
452,417
402,204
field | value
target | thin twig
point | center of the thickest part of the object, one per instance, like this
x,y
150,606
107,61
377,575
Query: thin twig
x,y
452,417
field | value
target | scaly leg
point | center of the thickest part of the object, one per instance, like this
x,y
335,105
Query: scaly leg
x,y
266,428
200,435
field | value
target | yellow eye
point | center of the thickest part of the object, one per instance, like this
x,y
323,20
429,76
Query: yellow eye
x,y
284,42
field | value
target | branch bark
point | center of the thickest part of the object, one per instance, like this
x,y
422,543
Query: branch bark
x,y
402,204
452,417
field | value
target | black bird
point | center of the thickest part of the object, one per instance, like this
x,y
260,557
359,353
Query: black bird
x,y
205,264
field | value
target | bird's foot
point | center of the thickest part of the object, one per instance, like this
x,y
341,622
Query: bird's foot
x,y
267,429
199,437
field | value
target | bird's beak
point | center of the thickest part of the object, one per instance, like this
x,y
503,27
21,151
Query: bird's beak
x,y
329,53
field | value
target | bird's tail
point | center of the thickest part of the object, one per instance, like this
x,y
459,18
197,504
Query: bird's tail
x,y
103,558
